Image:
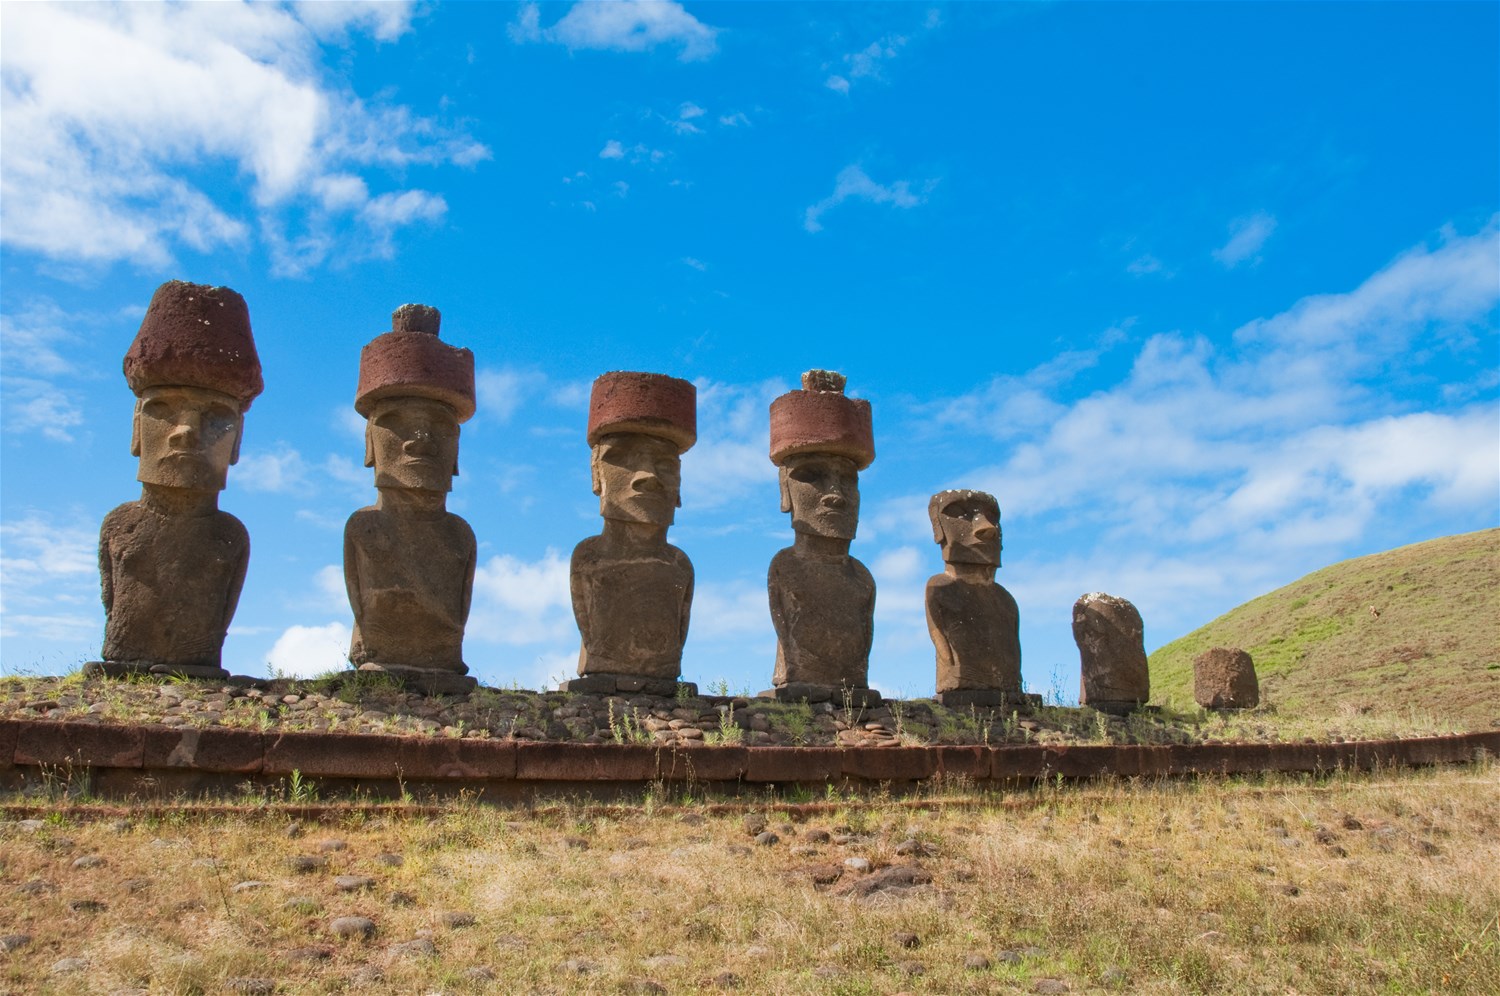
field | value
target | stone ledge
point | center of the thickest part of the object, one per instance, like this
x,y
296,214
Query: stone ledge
x,y
377,758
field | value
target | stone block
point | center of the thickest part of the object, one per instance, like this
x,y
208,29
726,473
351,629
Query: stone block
x,y
212,749
703,764
446,757
889,764
10,729
793,764
1224,678
331,755
86,744
570,762
974,763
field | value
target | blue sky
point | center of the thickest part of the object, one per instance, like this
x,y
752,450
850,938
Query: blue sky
x,y
1205,294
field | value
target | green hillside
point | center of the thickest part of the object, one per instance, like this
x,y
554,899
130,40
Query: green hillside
x,y
1415,629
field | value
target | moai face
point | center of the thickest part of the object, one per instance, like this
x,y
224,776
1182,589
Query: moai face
x,y
412,443
186,437
968,527
637,477
822,493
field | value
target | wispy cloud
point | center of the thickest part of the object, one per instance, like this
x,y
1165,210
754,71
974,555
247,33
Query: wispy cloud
x,y
308,651
621,26
1246,237
853,183
112,113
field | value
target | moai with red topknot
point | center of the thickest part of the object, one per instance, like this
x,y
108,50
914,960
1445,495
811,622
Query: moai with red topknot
x,y
408,561
171,565
632,590
974,622
822,599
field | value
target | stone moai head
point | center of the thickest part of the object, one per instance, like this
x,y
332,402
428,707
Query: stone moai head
x,y
967,526
640,424
194,371
414,391
821,439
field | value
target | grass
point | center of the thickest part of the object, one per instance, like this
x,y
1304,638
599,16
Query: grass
x,y
1381,884
1415,630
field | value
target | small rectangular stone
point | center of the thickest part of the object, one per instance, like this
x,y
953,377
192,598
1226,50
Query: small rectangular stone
x,y
91,745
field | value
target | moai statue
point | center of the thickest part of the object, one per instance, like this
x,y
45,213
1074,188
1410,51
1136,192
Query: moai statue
x,y
408,561
171,565
632,590
974,622
1112,652
822,599
1224,678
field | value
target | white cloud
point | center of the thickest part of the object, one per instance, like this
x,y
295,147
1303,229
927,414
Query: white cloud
x,y
731,457
522,602
612,150
900,564
279,471
48,565
621,26
108,107
635,154
32,338
853,183
837,84
1246,236
307,651
696,264
39,406
689,110
329,581
734,120
1147,263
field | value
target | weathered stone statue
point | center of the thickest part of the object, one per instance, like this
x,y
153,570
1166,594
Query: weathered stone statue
x,y
1112,652
1224,678
974,622
408,561
632,590
822,599
171,565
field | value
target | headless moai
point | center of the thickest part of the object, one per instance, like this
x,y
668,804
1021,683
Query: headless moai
x,y
974,622
1112,654
822,599
1224,678
408,561
632,590
171,565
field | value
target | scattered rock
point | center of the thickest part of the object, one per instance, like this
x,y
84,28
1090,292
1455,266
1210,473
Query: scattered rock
x,y
1428,849
1350,823
366,977
332,844
976,963
305,864
647,987
913,968
911,846
252,987
817,836
1324,836
1290,890
294,830
134,885
419,948
458,918
353,883
36,887
906,939
310,953
87,905
402,899
302,904
859,865
89,861
352,926
480,973
755,824
825,874
390,860
663,962
1114,977
892,878
1050,986
14,942
766,838
728,980
65,966
576,843
249,886
578,966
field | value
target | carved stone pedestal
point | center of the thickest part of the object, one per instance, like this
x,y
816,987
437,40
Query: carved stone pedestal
x,y
801,691
425,680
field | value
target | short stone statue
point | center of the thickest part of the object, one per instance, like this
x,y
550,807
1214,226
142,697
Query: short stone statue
x,y
974,622
408,561
171,565
822,599
632,590
1224,678
1112,653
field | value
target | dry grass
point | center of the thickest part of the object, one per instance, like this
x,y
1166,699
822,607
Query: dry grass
x,y
1184,887
1431,647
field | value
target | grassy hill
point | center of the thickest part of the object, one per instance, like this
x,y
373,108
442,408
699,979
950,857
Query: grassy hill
x,y
1431,645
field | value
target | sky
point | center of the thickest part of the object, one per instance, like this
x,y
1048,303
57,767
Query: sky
x,y
1207,295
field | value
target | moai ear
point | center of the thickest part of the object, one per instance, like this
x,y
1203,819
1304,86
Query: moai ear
x,y
135,430
937,526
239,434
786,491
598,483
369,445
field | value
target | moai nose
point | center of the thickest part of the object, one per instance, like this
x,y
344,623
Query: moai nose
x,y
832,500
985,532
420,443
645,481
185,434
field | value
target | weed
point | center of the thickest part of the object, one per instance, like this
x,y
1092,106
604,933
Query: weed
x,y
301,790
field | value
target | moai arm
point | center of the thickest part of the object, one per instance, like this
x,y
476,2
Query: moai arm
x,y
236,580
578,594
351,573
868,612
469,565
106,570
687,601
781,609
937,627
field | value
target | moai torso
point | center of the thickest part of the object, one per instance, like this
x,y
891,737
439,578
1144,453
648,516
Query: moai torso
x,y
170,584
824,613
975,626
410,579
632,608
